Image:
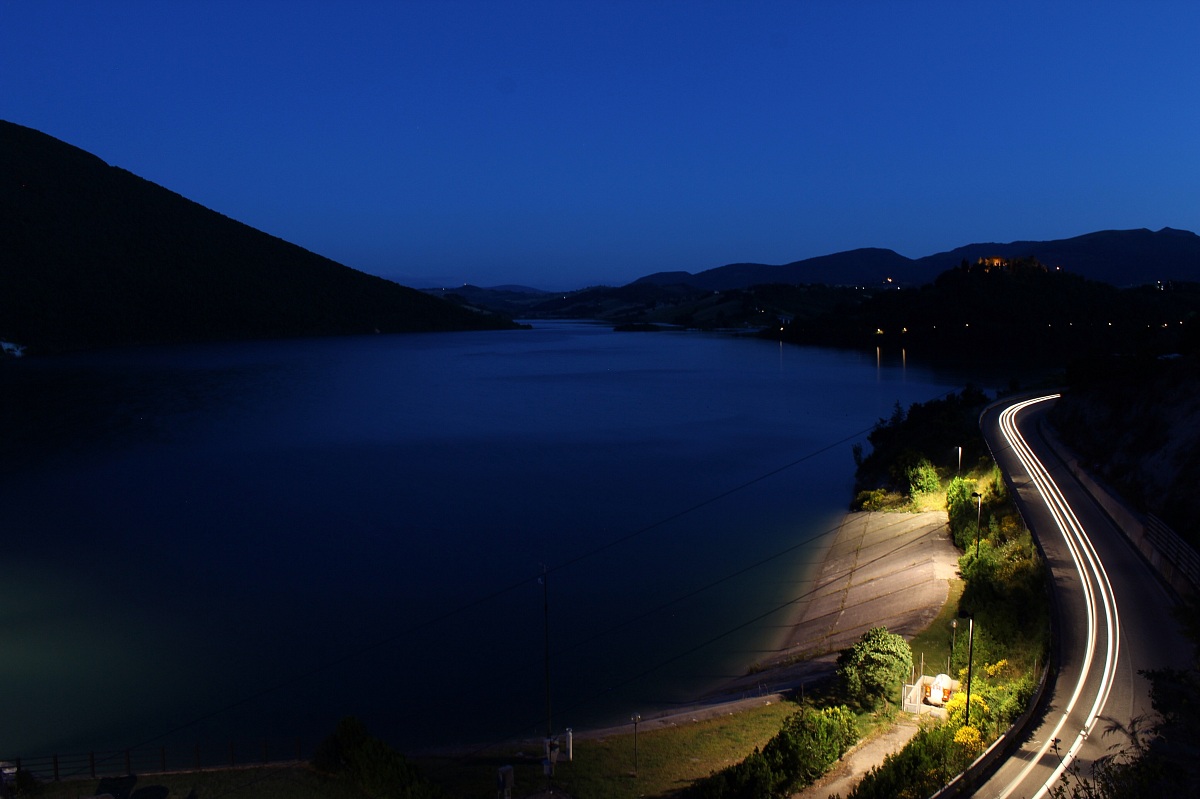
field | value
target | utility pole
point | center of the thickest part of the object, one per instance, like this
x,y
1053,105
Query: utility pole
x,y
551,746
635,718
546,637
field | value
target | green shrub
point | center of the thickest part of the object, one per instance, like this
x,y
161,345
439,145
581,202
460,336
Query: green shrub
x,y
919,770
923,478
750,779
879,662
1011,700
809,742
960,507
879,499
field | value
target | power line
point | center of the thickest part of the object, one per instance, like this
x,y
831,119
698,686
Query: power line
x,y
517,584
608,689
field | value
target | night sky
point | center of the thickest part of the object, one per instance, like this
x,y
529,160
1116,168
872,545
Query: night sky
x,y
563,144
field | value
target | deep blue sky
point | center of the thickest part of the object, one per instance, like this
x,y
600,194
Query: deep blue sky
x,y
561,144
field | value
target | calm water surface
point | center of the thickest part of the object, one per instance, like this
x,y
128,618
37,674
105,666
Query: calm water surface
x,y
253,540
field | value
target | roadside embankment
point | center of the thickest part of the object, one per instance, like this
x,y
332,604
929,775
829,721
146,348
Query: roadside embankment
x,y
1172,558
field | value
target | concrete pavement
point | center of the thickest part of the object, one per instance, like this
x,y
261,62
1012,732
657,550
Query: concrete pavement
x,y
889,569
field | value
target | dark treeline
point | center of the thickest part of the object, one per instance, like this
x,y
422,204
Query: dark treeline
x,y
1013,311
931,432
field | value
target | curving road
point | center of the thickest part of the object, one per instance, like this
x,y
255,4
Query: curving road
x,y
1112,616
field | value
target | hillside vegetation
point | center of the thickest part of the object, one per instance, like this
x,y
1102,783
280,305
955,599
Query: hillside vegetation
x,y
1136,422
94,256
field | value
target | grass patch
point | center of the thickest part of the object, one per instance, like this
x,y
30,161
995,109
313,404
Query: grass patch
x,y
296,781
668,758
934,500
934,641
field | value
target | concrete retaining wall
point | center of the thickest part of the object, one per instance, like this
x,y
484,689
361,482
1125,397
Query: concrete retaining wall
x,y
1177,564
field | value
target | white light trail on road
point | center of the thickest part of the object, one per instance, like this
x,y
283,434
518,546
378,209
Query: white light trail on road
x,y
1081,549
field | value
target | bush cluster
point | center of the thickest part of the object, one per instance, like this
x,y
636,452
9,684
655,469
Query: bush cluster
x,y
879,499
871,668
920,440
923,478
1006,578
810,741
370,765
930,760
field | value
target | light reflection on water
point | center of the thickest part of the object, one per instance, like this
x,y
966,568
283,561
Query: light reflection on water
x,y
354,526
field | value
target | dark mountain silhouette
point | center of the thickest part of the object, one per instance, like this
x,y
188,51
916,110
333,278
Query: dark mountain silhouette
x,y
511,300
867,266
94,256
1118,257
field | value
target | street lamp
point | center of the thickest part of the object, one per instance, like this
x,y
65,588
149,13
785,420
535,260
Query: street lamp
x,y
959,460
970,665
978,516
635,718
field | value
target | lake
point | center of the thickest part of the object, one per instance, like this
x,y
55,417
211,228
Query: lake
x,y
249,541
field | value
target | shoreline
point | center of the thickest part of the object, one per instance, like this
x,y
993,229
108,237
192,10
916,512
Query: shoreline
x,y
880,568
889,569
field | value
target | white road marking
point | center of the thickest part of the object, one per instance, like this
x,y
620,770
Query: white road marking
x,y
1093,581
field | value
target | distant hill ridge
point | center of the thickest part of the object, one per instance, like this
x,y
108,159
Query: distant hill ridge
x,y
1118,257
93,256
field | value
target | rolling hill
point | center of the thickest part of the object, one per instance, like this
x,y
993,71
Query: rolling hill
x,y
1117,257
94,256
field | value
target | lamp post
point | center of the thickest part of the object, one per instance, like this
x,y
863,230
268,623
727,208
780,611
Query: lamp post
x,y
970,666
978,518
635,718
959,460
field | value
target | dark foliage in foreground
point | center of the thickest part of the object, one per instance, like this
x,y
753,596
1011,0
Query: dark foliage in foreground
x,y
1157,756
94,256
371,765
